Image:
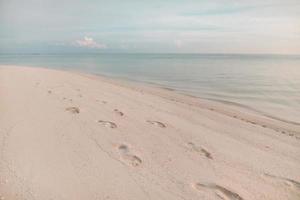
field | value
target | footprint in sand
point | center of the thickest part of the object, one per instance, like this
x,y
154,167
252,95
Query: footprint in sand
x,y
108,124
73,110
220,191
294,183
199,149
157,123
290,182
283,132
118,112
128,157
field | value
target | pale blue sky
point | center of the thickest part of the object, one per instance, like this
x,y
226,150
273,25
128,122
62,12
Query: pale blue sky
x,y
156,26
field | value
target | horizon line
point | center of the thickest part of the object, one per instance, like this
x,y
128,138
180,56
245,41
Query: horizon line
x,y
158,53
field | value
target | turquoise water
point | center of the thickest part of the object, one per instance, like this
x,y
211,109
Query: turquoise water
x,y
267,83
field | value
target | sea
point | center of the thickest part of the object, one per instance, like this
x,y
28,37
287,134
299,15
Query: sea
x,y
269,84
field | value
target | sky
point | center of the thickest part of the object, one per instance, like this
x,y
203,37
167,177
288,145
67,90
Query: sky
x,y
152,26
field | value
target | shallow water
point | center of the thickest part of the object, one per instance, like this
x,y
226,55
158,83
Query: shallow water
x,y
267,83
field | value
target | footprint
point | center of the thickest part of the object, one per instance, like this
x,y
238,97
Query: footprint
x,y
200,149
128,157
118,112
295,184
157,123
108,124
289,182
220,191
73,110
123,148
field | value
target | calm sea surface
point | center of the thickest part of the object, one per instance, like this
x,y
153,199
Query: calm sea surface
x,y
267,83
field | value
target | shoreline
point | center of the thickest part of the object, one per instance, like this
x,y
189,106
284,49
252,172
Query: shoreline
x,y
260,110
227,108
71,135
212,104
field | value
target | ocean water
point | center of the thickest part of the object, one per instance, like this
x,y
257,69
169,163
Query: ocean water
x,y
266,83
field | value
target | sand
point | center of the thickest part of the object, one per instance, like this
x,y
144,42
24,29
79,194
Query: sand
x,y
68,136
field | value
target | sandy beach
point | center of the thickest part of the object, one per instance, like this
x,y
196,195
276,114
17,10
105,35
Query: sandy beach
x,y
68,136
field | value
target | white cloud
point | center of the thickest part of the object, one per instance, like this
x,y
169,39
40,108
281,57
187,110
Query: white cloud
x,y
89,42
178,43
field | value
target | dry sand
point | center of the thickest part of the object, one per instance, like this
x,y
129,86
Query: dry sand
x,y
69,136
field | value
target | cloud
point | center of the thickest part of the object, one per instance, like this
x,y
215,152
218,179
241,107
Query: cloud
x,y
178,43
89,42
